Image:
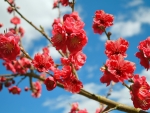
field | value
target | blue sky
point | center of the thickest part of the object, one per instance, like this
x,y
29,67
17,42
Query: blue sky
x,y
132,22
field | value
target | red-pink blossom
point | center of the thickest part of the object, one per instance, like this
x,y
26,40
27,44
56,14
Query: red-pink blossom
x,y
144,53
10,9
9,47
11,1
76,41
101,21
140,92
59,37
72,84
72,23
119,46
50,83
14,90
78,59
55,4
64,2
37,88
74,107
26,88
42,62
62,75
15,20
21,31
117,69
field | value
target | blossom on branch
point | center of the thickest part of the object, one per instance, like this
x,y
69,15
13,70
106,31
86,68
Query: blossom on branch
x,y
140,92
15,20
101,21
117,47
43,62
37,89
14,90
144,53
117,69
50,83
9,47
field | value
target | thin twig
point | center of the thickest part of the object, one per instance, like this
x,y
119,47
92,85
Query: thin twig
x,y
126,85
21,80
73,4
110,110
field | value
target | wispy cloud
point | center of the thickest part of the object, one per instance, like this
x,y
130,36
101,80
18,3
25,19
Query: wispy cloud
x,y
132,26
65,101
133,3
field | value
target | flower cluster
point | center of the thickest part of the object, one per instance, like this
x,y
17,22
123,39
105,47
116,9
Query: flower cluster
x,y
69,35
43,62
116,68
101,21
144,53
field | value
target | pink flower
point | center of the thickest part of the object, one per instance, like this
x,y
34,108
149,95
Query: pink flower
x,y
62,75
74,107
119,46
11,1
55,4
21,31
101,21
144,53
76,41
37,88
73,85
10,9
15,20
140,93
117,69
64,2
59,37
9,48
72,23
14,90
78,59
42,62
50,83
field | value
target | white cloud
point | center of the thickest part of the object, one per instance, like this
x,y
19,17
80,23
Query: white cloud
x,y
134,3
65,101
122,96
131,27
